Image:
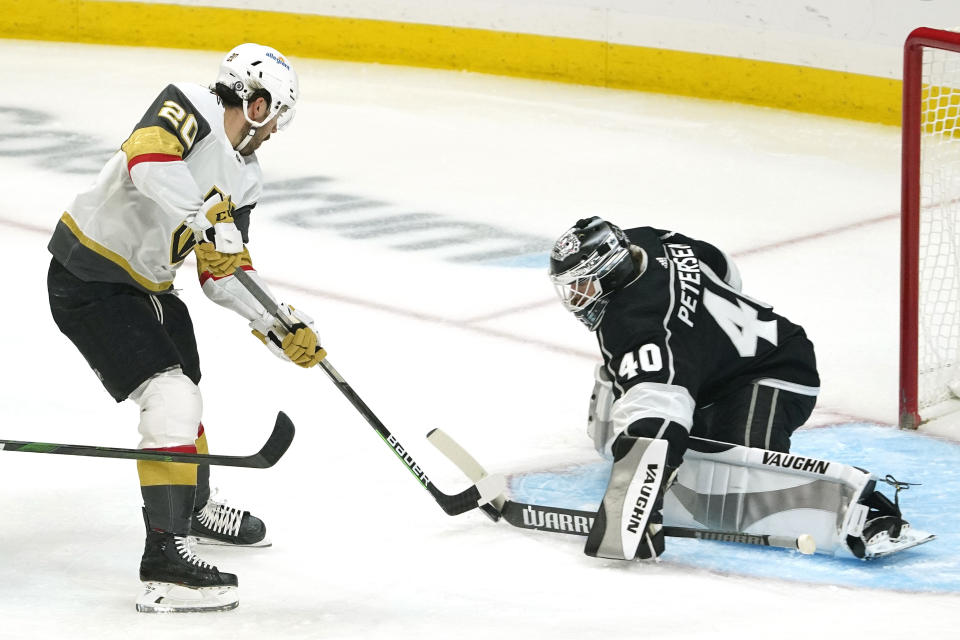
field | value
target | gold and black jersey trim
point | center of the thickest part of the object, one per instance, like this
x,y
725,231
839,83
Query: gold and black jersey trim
x,y
93,262
168,131
151,144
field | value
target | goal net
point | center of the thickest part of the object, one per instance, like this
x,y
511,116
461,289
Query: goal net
x,y
930,228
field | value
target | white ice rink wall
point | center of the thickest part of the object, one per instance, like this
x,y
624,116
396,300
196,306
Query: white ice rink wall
x,y
833,57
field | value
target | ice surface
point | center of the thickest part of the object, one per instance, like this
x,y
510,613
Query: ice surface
x,y
432,328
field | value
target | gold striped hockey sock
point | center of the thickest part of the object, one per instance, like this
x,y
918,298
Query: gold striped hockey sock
x,y
168,490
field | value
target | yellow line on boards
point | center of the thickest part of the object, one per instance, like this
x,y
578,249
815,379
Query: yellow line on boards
x,y
572,60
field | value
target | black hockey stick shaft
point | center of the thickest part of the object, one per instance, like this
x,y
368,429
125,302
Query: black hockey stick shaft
x,y
276,445
451,504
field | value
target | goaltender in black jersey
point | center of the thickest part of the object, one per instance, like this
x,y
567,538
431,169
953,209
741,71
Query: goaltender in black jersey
x,y
685,352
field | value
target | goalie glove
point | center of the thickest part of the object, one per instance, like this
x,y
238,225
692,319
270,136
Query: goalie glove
x,y
599,420
300,345
214,224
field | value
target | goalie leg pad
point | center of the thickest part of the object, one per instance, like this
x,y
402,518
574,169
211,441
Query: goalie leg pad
x,y
628,522
744,490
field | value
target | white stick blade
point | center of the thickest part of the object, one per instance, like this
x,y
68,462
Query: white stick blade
x,y
491,487
456,454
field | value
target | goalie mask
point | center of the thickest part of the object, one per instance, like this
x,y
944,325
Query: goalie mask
x,y
589,262
249,67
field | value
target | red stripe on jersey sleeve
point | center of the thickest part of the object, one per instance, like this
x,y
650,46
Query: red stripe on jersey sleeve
x,y
151,157
206,275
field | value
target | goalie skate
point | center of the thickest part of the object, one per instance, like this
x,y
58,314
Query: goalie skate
x,y
884,531
165,597
882,544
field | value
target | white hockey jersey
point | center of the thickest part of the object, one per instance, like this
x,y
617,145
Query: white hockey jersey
x,y
130,226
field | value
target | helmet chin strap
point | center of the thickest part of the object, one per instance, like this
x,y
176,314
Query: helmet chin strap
x,y
254,126
246,139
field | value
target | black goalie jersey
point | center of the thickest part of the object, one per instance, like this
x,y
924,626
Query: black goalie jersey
x,y
682,336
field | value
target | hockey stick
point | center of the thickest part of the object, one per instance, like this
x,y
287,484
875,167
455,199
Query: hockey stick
x,y
577,522
470,467
274,448
484,489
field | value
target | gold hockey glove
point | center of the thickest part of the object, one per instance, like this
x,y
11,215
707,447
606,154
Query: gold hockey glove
x,y
217,264
300,345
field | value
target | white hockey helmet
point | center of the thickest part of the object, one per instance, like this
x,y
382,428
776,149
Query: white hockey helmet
x,y
248,67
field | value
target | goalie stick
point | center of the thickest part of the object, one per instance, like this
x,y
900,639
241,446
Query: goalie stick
x,y
481,492
274,448
578,522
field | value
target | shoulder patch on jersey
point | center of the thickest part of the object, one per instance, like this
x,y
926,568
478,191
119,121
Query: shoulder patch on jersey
x,y
173,113
152,144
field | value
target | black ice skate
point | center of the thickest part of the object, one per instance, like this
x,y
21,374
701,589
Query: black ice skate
x,y
219,523
176,580
885,531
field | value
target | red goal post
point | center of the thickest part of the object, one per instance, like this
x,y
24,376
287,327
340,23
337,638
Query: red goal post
x,y
930,228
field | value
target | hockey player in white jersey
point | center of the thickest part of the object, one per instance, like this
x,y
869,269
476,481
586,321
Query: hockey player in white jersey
x,y
185,180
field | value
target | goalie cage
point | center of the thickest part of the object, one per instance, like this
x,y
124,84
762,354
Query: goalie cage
x,y
930,228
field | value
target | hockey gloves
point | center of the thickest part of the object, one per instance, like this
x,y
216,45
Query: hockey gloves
x,y
300,345
214,224
599,420
217,264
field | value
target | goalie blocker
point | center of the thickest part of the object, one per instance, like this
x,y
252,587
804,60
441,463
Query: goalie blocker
x,y
629,521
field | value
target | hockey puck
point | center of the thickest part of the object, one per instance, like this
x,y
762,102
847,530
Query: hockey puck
x,y
806,544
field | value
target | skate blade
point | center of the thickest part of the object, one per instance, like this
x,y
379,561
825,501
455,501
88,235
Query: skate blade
x,y
883,545
164,597
213,542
